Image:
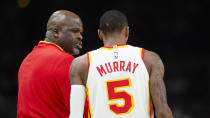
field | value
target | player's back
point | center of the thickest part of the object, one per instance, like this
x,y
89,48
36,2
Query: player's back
x,y
118,83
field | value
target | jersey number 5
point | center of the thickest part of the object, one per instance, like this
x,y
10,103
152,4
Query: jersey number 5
x,y
114,94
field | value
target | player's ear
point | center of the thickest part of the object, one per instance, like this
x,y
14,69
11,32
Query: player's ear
x,y
55,33
100,34
126,31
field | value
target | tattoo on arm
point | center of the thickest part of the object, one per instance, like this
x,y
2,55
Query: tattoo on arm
x,y
74,72
71,74
160,82
159,85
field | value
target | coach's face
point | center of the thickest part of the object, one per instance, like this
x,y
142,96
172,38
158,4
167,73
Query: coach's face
x,y
71,35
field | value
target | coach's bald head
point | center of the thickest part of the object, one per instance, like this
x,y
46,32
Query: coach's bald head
x,y
64,28
60,18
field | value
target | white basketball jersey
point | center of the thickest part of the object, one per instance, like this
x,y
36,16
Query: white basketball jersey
x,y
118,83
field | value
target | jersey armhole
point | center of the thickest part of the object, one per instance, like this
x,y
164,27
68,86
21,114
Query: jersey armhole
x,y
142,53
88,58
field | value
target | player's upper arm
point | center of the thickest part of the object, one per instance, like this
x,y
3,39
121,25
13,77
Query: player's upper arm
x,y
79,70
156,72
157,87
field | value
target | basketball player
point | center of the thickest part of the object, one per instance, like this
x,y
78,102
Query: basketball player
x,y
43,78
119,78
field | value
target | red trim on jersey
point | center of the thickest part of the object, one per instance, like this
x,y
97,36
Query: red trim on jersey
x,y
86,109
88,100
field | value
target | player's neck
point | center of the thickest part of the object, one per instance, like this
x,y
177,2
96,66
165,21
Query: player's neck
x,y
112,41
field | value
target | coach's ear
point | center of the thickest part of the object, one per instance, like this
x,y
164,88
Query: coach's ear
x,y
55,33
100,34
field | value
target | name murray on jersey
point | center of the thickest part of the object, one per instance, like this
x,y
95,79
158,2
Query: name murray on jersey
x,y
117,66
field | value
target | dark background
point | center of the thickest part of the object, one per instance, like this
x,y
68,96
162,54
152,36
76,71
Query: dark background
x,y
178,30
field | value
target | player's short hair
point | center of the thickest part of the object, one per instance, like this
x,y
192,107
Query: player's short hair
x,y
113,21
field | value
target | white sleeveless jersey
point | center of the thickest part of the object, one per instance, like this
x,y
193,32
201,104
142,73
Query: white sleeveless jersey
x,y
118,83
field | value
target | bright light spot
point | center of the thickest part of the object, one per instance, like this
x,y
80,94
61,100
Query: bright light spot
x,y
23,3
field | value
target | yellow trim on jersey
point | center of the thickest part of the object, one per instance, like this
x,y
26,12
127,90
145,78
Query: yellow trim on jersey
x,y
141,52
53,44
89,112
150,106
112,48
89,58
115,90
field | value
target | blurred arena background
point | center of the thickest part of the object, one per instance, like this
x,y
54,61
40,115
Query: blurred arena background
x,y
178,30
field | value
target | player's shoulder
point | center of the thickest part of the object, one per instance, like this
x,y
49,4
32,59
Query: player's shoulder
x,y
80,65
147,53
150,53
81,60
151,59
133,47
96,50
